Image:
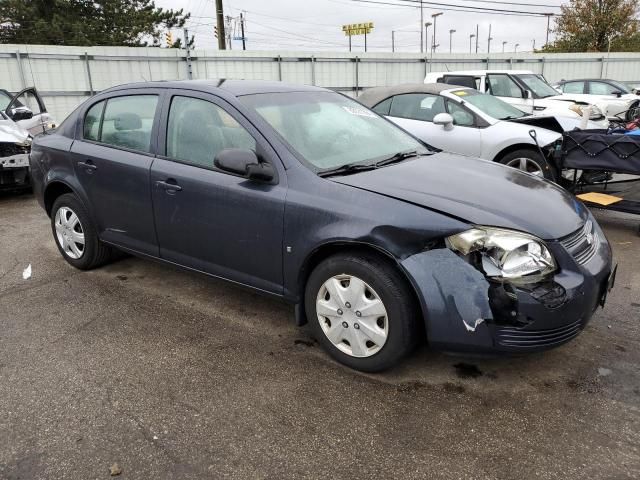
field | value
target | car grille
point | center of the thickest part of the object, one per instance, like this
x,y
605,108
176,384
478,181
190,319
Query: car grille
x,y
583,243
523,339
11,149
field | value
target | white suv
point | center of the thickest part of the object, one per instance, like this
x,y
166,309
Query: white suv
x,y
523,89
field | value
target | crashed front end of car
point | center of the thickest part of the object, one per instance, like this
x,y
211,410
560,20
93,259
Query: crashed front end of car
x,y
495,289
14,164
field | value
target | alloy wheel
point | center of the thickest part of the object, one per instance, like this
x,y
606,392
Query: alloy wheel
x,y
526,165
69,233
352,315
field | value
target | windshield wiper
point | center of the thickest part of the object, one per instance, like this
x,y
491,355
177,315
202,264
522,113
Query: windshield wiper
x,y
346,169
510,117
398,157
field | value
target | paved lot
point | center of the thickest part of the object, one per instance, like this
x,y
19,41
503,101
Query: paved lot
x,y
173,375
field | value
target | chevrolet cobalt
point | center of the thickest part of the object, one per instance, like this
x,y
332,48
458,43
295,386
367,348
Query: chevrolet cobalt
x,y
378,240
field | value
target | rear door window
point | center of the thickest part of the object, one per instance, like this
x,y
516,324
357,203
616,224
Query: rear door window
x,y
127,122
573,87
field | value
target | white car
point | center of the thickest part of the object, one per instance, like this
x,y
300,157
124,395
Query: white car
x,y
15,145
612,97
464,121
523,89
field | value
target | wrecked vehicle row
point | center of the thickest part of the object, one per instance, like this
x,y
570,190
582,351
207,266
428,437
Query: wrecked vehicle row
x,y
378,240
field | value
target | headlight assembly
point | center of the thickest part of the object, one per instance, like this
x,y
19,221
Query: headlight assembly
x,y
504,254
594,111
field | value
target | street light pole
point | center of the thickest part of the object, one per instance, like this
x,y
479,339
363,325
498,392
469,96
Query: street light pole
x,y
489,40
503,44
393,40
471,37
515,49
426,36
421,23
451,32
435,17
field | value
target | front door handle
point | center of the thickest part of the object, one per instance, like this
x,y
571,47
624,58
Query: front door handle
x,y
88,165
169,185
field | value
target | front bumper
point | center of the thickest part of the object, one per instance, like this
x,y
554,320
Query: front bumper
x,y
465,312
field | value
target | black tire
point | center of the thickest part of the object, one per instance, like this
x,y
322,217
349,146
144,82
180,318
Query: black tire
x,y
95,252
395,294
533,155
633,112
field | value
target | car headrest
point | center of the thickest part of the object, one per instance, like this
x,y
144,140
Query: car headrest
x,y
127,121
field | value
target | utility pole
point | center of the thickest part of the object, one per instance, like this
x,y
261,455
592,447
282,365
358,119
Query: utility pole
x,y
515,49
451,32
477,36
503,44
489,38
433,44
187,54
548,15
220,22
534,46
471,36
393,40
421,23
244,44
365,41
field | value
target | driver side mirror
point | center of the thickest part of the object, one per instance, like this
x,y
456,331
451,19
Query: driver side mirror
x,y
244,163
527,94
445,120
20,113
617,93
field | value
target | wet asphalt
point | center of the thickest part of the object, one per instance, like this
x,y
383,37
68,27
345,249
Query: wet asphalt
x,y
174,375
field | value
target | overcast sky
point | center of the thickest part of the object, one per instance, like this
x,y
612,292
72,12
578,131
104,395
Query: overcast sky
x,y
316,24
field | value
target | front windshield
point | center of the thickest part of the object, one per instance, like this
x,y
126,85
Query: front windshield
x,y
538,85
329,130
492,106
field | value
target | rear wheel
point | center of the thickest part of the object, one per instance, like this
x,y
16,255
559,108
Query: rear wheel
x,y
529,161
75,236
361,311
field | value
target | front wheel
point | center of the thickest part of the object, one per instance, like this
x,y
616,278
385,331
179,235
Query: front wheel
x,y
361,311
529,161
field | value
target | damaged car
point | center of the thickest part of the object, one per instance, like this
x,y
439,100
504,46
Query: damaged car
x,y
304,194
15,144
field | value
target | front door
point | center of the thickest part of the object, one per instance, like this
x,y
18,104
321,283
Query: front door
x,y
210,220
112,160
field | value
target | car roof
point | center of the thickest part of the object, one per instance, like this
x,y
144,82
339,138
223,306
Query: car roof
x,y
234,87
480,72
587,80
373,96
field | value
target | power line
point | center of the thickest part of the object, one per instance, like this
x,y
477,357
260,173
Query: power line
x,y
460,8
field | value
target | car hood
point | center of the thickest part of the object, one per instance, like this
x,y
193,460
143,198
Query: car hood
x,y
10,132
477,191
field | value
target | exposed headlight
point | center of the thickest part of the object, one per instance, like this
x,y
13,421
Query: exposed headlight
x,y
505,254
594,113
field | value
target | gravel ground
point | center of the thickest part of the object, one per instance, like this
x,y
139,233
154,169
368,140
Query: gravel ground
x,y
174,375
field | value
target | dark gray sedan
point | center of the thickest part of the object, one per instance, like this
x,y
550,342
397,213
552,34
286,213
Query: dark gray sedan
x,y
303,193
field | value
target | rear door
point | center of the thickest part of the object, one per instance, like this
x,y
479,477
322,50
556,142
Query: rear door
x,y
211,220
415,112
112,157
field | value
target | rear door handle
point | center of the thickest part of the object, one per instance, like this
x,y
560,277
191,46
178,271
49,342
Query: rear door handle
x,y
169,185
88,165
